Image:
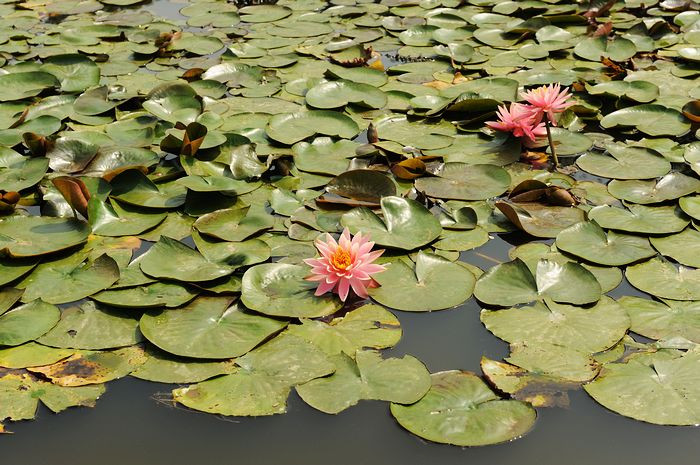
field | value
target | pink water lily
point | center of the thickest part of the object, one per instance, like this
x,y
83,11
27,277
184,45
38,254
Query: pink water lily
x,y
547,100
344,264
518,119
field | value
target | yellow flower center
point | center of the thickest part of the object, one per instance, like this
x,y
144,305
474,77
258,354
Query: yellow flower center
x,y
341,259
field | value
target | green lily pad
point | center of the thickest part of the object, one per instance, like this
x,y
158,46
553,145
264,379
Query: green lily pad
x,y
20,394
462,181
513,283
31,354
547,359
661,278
235,224
640,219
69,279
589,330
663,320
171,259
8,297
174,102
290,128
27,322
262,383
334,94
93,326
400,380
625,163
158,294
531,253
421,135
364,185
406,224
639,91
279,289
652,119
112,219
30,236
75,72
683,247
435,284
657,389
540,220
369,326
460,409
670,187
597,48
161,367
18,172
134,188
17,86
590,242
209,327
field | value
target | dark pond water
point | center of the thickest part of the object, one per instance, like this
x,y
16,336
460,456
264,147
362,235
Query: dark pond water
x,y
134,424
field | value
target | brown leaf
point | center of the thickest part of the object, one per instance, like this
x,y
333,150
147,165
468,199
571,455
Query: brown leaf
x,y
74,191
691,110
36,144
193,138
192,74
603,30
408,169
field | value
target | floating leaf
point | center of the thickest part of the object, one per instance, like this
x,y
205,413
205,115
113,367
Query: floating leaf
x,y
625,163
460,409
17,86
401,380
512,283
435,284
27,322
172,259
334,94
657,320
670,187
462,181
640,219
93,367
683,247
588,241
289,128
656,389
279,289
652,119
661,278
93,327
70,279
406,224
369,326
29,236
31,354
540,220
262,384
589,330
209,327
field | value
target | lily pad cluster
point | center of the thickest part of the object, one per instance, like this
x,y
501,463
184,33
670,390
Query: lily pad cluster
x,y
162,181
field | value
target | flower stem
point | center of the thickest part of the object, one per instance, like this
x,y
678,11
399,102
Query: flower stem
x,y
551,144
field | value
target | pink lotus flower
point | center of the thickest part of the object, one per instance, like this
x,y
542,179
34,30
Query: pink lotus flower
x,y
519,120
344,264
547,100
